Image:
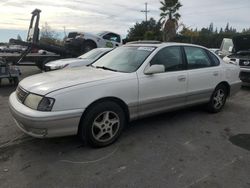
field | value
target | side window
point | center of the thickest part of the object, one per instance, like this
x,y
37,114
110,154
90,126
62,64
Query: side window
x,y
170,57
112,37
197,58
215,60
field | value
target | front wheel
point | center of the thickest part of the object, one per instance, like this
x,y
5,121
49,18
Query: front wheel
x,y
218,99
102,124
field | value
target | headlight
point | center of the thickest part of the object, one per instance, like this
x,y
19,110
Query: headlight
x,y
46,104
32,101
38,102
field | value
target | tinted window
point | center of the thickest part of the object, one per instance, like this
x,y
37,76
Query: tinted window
x,y
197,58
215,60
170,57
73,34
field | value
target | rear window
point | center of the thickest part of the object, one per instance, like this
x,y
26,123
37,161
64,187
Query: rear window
x,y
215,60
72,34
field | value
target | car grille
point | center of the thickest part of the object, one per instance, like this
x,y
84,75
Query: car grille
x,y
244,63
21,94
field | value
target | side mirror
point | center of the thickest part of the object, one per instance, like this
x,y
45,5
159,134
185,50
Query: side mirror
x,y
154,69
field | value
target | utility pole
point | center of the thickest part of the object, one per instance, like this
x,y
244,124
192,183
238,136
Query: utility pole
x,y
146,11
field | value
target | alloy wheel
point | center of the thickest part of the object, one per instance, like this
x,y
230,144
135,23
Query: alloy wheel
x,y
219,98
105,126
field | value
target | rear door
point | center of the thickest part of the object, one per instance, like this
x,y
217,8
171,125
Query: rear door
x,y
203,74
163,91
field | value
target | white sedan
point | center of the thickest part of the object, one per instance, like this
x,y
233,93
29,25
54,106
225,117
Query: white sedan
x,y
82,60
133,81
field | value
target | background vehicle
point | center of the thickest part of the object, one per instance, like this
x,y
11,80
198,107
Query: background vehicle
x,y
84,42
82,60
241,56
130,82
75,45
226,47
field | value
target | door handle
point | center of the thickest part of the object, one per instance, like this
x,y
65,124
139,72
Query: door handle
x,y
216,73
181,78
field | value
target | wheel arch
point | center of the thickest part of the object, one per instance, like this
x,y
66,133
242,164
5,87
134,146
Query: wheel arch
x,y
118,101
226,84
91,41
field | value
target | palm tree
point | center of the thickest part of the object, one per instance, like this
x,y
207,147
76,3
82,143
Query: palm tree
x,y
169,18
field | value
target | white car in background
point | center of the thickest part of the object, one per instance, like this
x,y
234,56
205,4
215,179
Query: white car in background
x,y
240,56
82,60
133,81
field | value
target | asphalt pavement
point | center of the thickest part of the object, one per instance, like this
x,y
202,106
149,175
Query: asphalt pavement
x,y
189,148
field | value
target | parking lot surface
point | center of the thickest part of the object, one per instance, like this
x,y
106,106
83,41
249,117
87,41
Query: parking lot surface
x,y
189,148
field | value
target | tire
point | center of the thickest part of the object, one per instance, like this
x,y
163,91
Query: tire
x,y
218,99
102,124
87,46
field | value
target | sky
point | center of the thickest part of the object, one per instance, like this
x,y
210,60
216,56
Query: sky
x,y
115,15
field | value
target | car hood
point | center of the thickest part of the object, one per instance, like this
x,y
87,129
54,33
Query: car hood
x,y
47,82
61,62
241,43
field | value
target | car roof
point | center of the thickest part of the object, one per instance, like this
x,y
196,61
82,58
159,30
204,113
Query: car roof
x,y
158,44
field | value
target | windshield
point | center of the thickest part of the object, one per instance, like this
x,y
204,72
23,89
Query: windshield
x,y
124,59
93,54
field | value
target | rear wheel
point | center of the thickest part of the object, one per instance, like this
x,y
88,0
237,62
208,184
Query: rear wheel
x,y
218,99
102,124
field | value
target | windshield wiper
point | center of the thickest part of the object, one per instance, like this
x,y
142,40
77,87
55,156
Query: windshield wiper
x,y
105,68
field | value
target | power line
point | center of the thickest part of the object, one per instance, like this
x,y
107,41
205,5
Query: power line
x,y
146,11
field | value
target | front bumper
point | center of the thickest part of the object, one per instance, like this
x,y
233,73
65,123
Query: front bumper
x,y
44,124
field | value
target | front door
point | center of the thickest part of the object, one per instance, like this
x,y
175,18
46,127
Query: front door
x,y
163,91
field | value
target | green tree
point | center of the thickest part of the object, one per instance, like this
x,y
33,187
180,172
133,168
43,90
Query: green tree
x,y
145,31
211,28
19,37
169,18
246,31
227,28
49,36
